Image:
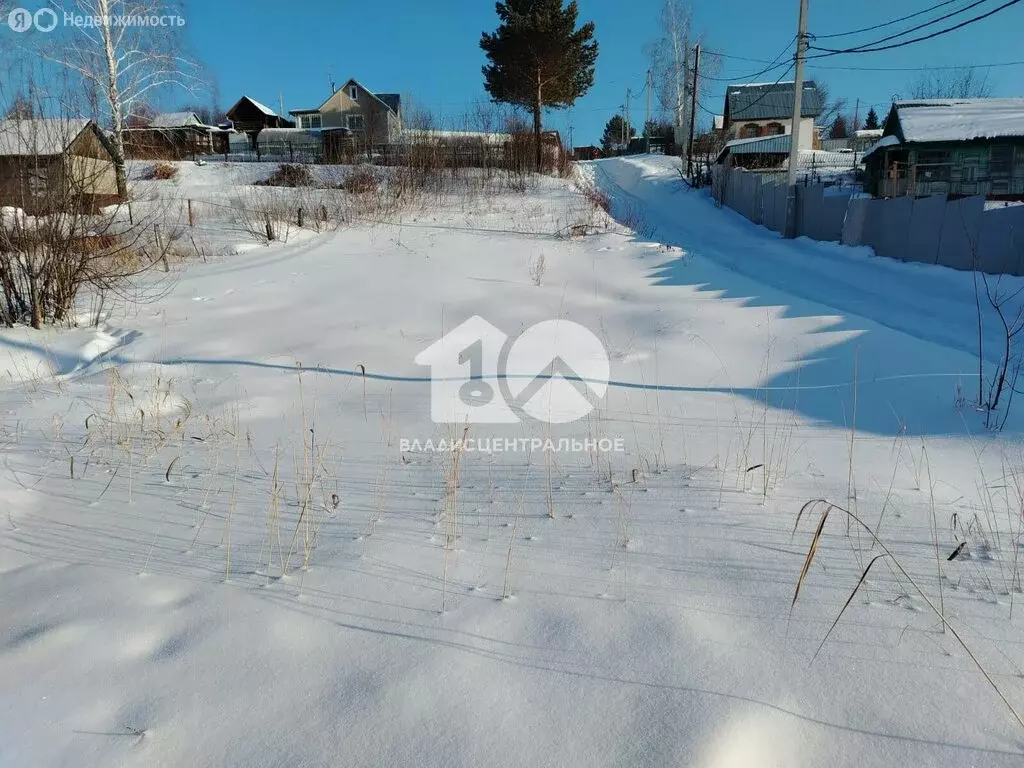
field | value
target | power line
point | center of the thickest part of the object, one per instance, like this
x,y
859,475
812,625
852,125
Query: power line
x,y
887,23
772,65
928,23
868,69
867,49
923,69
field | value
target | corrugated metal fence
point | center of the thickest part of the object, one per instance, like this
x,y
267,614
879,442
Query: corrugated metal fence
x,y
957,233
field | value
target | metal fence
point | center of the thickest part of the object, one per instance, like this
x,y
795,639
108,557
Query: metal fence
x,y
961,234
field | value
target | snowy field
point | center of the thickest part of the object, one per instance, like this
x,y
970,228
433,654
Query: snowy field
x,y
215,550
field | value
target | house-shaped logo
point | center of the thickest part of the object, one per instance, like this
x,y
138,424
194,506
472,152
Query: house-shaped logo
x,y
554,372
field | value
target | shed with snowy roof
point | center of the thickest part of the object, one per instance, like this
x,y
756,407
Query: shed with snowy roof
x,y
250,116
950,146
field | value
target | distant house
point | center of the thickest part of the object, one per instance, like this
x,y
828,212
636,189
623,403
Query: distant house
x,y
372,118
865,138
171,136
950,146
756,110
50,164
250,116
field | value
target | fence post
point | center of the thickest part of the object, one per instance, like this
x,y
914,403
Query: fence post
x,y
299,217
270,229
291,153
191,218
160,248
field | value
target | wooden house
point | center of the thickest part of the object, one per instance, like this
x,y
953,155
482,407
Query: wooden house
x,y
371,119
950,146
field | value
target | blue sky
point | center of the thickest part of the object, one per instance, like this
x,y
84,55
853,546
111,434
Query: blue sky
x,y
430,51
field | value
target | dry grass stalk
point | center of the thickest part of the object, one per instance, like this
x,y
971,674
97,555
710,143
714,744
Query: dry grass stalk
x,y
886,553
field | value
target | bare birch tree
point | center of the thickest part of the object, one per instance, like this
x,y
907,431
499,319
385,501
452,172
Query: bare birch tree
x,y
128,51
672,63
961,83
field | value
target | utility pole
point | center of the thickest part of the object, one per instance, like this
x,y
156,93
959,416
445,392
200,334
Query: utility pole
x,y
647,121
622,126
629,122
798,92
856,118
693,112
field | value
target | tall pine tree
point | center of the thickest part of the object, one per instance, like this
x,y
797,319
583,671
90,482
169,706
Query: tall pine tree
x,y
538,58
617,134
871,123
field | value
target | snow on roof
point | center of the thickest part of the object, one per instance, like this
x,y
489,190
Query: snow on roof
x,y
869,133
41,136
882,143
294,136
175,120
261,107
417,134
764,85
960,119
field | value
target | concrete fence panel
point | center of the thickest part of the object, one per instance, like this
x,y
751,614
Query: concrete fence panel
x,y
961,224
893,227
872,232
768,205
827,217
853,226
781,203
1001,241
808,207
926,229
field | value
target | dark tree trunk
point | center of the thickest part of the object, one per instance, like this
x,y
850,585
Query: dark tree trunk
x,y
536,123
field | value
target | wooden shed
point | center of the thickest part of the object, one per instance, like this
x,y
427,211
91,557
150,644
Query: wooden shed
x,y
170,136
48,165
250,116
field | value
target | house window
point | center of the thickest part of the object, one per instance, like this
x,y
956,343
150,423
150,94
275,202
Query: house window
x,y
37,184
1000,164
750,131
774,129
934,165
355,122
310,121
353,93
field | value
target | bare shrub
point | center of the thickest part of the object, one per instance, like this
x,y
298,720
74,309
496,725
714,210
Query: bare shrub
x,y
162,172
362,180
537,269
289,175
598,199
57,238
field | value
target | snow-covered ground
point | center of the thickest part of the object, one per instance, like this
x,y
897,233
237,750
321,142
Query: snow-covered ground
x,y
214,550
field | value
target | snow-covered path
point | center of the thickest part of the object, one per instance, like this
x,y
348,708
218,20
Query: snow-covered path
x,y
211,556
934,304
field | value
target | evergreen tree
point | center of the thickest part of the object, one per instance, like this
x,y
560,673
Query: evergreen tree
x,y
871,123
21,109
617,133
838,130
538,58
